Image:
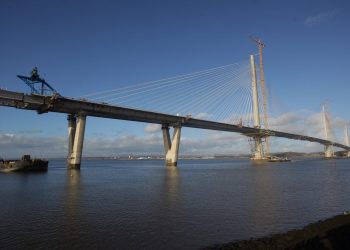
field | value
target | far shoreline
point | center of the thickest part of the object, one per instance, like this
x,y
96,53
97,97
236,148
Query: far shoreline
x,y
156,156
292,155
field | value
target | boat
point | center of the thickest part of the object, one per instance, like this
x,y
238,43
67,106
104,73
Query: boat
x,y
26,164
278,159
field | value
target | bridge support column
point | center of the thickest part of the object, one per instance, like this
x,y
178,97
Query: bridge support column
x,y
76,130
258,152
171,148
328,153
72,124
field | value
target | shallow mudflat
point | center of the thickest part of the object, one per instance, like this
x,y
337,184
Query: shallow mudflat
x,y
333,233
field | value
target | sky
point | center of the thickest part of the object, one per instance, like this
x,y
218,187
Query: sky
x,y
81,47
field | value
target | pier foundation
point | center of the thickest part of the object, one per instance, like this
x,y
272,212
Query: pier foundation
x,y
258,152
76,131
171,147
329,153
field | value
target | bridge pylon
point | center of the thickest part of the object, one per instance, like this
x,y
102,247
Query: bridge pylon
x,y
347,141
258,151
171,147
76,131
329,152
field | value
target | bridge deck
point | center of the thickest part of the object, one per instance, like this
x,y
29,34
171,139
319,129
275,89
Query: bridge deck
x,y
56,103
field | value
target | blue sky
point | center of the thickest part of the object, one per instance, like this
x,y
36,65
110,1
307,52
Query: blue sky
x,y
88,46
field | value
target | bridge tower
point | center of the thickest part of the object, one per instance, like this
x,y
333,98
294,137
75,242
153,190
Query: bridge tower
x,y
347,141
262,45
329,153
258,151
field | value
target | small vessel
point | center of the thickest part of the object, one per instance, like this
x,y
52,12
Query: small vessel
x,y
25,164
278,159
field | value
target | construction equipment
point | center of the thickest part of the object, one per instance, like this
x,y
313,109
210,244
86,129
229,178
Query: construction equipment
x,y
33,80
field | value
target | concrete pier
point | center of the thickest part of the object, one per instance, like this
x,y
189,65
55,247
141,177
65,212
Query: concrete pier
x,y
171,147
329,153
258,153
71,132
76,130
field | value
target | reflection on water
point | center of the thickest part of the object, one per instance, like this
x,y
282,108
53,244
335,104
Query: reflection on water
x,y
171,185
68,225
263,198
144,205
73,192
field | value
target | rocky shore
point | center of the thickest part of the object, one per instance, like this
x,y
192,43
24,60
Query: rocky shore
x,y
332,233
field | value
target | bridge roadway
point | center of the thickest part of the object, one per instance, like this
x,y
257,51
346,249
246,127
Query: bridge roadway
x,y
60,104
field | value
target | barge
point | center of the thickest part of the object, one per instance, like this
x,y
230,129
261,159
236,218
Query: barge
x,y
26,164
278,159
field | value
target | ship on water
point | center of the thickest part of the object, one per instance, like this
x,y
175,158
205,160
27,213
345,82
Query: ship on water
x,y
278,159
25,164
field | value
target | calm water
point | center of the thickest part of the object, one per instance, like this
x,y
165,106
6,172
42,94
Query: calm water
x,y
144,205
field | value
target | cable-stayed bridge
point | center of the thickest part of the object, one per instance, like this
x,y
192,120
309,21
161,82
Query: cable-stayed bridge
x,y
224,98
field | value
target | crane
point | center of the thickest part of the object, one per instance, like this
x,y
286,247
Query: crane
x,y
33,80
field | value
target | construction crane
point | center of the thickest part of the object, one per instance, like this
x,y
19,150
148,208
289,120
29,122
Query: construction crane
x,y
261,45
33,80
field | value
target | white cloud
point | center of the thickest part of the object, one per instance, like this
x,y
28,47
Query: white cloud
x,y
286,145
319,18
16,145
305,124
310,124
152,128
287,118
203,116
211,143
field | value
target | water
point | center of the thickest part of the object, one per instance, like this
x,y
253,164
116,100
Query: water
x,y
144,205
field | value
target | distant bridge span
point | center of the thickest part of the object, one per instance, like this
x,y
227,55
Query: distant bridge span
x,y
79,109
